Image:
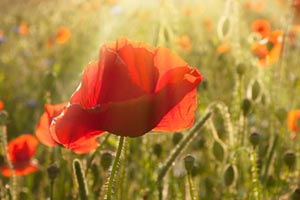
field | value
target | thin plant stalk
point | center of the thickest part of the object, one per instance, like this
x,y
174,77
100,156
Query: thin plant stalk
x,y
114,169
176,152
191,186
12,188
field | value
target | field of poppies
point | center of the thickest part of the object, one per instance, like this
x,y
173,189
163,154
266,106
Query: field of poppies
x,y
151,100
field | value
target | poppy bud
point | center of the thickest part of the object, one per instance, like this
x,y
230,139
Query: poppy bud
x,y
218,151
177,136
240,69
246,106
157,149
53,171
189,163
296,194
290,159
255,90
3,117
281,114
254,139
106,160
229,175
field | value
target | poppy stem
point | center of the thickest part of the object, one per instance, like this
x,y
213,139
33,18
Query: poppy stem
x,y
3,141
178,149
114,169
191,186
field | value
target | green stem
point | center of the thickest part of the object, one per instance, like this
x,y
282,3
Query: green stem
x,y
82,186
178,149
114,169
51,189
8,161
255,180
191,187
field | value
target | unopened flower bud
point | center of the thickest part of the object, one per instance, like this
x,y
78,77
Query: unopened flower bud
x,y
229,175
177,136
246,106
240,69
254,138
281,114
189,163
296,194
218,151
255,90
106,160
53,171
290,159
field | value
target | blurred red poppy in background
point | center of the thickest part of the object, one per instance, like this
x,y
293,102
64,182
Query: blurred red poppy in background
x,y
1,105
261,26
63,35
134,88
268,50
43,130
20,152
293,122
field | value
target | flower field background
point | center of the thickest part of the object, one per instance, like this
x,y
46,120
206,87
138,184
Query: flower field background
x,y
244,142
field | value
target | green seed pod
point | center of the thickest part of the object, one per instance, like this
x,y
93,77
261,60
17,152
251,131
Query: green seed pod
x,y
255,90
254,139
296,194
3,117
229,175
281,115
246,106
53,171
189,161
106,160
177,136
157,149
240,69
290,159
218,151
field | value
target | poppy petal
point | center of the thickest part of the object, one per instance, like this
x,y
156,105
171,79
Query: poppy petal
x,y
43,126
20,169
22,148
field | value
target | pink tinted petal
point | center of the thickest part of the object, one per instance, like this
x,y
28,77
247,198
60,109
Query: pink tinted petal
x,y
181,116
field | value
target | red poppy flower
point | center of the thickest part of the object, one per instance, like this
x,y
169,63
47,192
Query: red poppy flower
x,y
223,49
43,130
21,151
261,26
1,105
268,49
63,35
133,89
293,121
